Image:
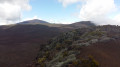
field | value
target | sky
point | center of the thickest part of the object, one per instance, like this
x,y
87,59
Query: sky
x,y
60,11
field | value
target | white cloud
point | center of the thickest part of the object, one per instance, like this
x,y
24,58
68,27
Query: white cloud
x,y
117,18
10,10
95,10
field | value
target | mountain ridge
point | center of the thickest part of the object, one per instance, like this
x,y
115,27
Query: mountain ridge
x,y
34,21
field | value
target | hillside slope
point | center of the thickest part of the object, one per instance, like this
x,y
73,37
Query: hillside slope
x,y
107,54
20,43
79,47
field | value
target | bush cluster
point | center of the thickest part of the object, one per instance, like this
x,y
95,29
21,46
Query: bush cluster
x,y
90,62
41,62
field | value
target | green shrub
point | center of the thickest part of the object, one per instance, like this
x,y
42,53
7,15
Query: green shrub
x,y
59,47
41,62
76,38
89,62
75,63
47,55
94,63
96,33
65,53
69,42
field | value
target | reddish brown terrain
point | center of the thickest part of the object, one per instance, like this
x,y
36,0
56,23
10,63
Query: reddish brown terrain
x,y
19,44
106,53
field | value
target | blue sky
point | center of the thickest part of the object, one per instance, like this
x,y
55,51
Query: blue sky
x,y
52,11
60,11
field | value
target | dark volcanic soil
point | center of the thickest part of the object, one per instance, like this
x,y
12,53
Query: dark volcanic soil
x,y
107,53
19,44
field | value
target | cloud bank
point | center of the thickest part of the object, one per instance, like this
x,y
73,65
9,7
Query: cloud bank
x,y
96,10
11,10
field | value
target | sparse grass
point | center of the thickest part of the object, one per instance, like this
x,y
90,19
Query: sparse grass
x,y
41,62
69,42
65,53
89,62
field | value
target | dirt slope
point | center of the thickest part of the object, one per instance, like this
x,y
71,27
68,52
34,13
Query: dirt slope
x,y
19,44
107,53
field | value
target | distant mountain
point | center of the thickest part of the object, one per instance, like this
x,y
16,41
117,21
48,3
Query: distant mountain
x,y
34,21
75,25
89,23
82,24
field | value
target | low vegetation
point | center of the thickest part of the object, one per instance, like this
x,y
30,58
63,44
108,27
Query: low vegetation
x,y
62,51
89,62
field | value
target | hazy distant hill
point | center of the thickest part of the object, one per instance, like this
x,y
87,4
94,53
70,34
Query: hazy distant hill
x,y
75,25
82,24
34,21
